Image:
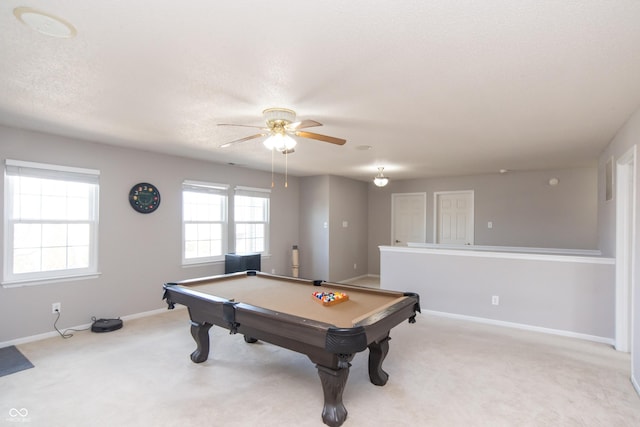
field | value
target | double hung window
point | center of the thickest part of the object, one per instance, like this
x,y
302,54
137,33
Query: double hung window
x,y
204,221
51,221
251,217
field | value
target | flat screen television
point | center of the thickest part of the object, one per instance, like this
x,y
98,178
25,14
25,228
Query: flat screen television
x,y
234,263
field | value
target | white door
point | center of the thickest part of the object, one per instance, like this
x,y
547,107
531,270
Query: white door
x,y
454,217
408,218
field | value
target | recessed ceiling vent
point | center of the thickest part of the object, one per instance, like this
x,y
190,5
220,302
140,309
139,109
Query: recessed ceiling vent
x,y
44,23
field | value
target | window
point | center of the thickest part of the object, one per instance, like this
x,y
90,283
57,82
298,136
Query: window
x,y
204,221
51,221
251,214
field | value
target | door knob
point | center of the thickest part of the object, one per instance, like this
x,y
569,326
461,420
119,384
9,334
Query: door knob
x,y
397,241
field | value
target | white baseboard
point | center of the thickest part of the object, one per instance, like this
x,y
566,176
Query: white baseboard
x,y
53,334
523,326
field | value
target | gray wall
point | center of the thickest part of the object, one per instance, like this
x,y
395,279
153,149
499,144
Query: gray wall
x,y
314,214
524,208
379,206
137,253
331,249
348,245
627,137
569,294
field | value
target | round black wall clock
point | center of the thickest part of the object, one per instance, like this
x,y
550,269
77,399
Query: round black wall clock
x,y
144,197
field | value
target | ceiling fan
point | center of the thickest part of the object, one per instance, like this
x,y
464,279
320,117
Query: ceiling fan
x,y
280,126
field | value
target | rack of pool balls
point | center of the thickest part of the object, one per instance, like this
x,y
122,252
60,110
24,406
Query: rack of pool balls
x,y
330,298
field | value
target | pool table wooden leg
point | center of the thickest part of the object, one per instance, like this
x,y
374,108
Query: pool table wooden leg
x,y
377,352
333,381
200,333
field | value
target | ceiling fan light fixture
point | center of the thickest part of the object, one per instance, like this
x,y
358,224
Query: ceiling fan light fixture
x,y
281,115
380,180
280,142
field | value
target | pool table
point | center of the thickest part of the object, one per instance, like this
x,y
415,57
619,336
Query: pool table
x,y
282,311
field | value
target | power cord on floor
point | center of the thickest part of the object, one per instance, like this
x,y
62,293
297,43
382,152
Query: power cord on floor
x,y
65,334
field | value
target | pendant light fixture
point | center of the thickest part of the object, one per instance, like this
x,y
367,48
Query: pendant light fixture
x,y
380,180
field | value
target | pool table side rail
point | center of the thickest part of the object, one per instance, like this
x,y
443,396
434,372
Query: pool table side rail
x,y
378,325
239,275
321,344
297,281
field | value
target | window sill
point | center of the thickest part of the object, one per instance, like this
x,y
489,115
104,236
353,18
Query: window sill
x,y
36,282
214,262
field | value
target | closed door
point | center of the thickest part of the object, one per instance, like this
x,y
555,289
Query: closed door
x,y
454,218
408,218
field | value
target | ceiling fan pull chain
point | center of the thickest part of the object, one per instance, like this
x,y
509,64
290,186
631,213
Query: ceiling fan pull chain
x,y
286,169
272,180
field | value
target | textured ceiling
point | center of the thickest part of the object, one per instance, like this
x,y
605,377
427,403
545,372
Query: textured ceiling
x,y
435,88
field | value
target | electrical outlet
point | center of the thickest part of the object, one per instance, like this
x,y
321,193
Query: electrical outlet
x,y
355,266
495,300
56,308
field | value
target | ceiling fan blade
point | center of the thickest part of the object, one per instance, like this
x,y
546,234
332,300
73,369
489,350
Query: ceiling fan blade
x,y
227,144
244,126
325,138
302,124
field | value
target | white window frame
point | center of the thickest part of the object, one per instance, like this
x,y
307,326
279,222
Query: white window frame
x,y
209,188
259,193
18,168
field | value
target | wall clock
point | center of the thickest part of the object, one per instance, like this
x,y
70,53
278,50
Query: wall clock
x,y
144,197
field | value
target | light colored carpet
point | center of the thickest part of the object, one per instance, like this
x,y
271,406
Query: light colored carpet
x,y
443,372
